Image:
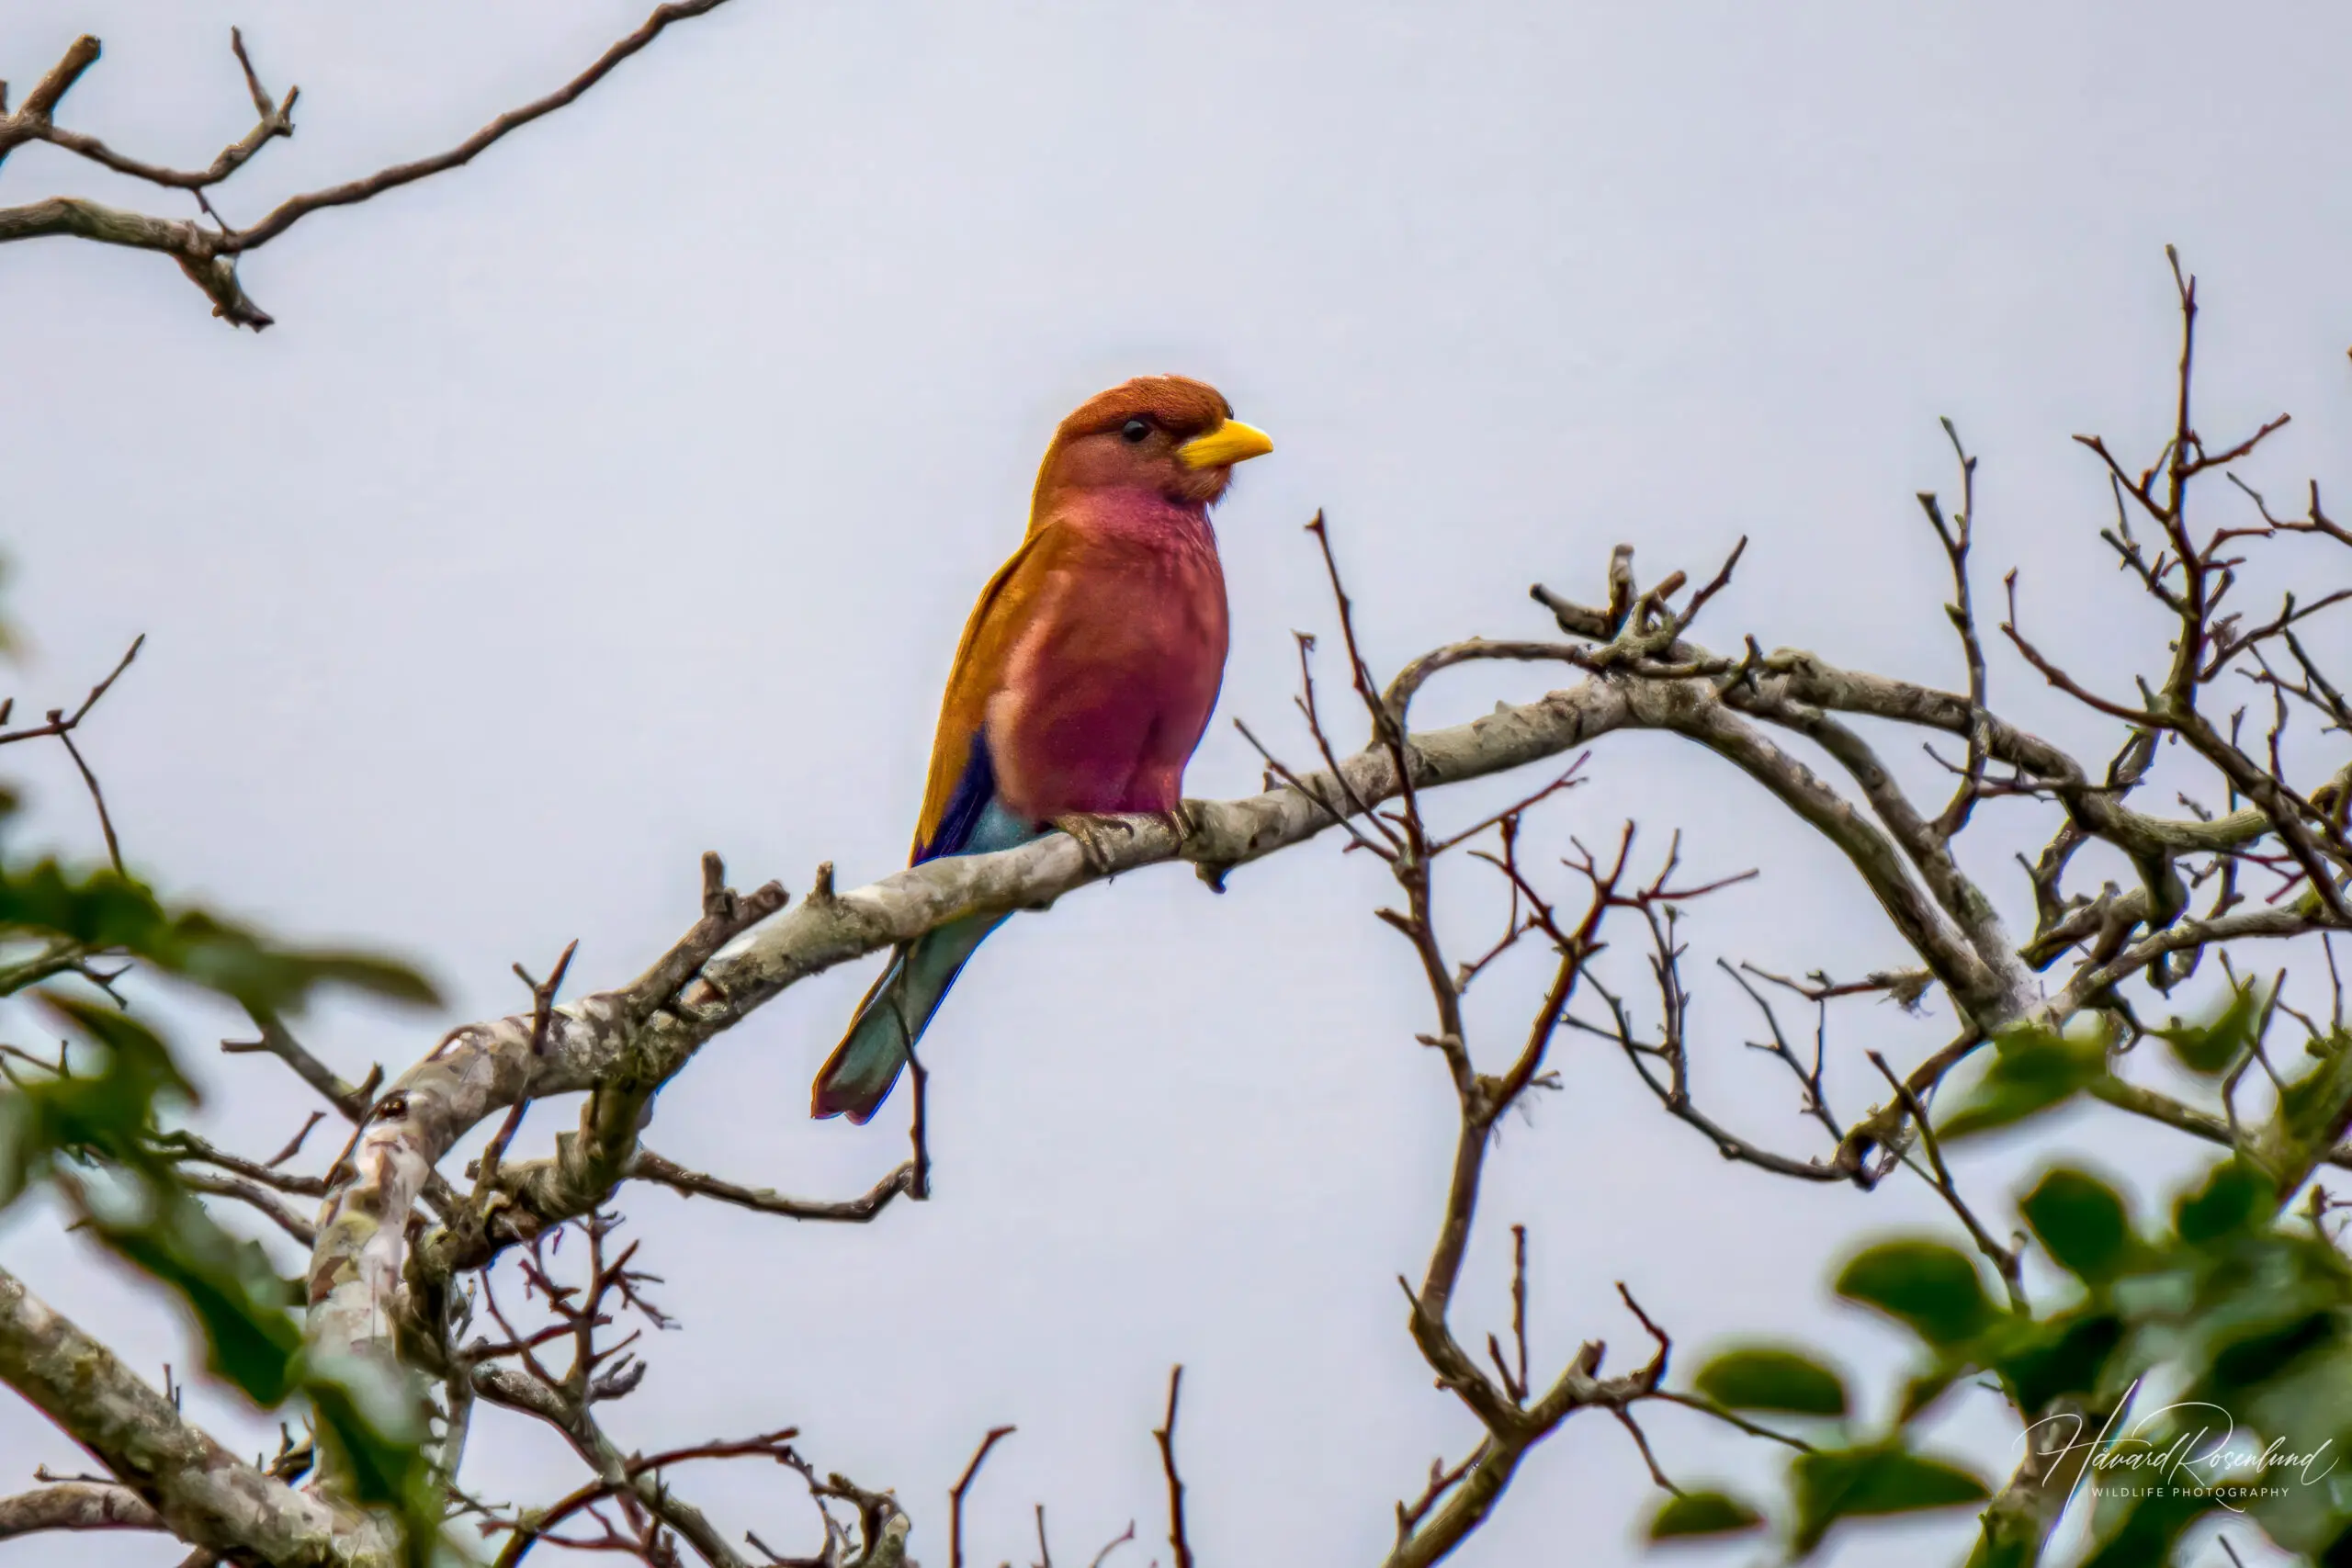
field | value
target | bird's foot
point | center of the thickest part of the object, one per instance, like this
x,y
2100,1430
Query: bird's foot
x,y
1183,821
1093,830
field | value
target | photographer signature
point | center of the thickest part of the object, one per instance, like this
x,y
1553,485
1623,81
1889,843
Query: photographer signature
x,y
2205,1459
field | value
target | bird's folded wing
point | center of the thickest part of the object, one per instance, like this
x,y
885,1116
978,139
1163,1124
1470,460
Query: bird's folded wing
x,y
962,781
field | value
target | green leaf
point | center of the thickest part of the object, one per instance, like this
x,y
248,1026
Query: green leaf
x,y
2254,1359
103,1107
2081,1222
108,912
1924,1389
2235,1197
2214,1048
139,1065
2150,1527
1925,1284
1838,1483
153,1222
226,959
1766,1378
1703,1513
2065,1355
250,1338
2032,1070
376,1441
372,1425
2311,1103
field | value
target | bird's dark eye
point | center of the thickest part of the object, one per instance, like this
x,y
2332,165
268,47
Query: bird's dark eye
x,y
1134,431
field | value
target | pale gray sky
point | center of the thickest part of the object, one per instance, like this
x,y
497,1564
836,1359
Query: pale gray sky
x,y
621,496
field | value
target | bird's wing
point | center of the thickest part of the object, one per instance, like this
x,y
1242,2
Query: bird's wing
x,y
962,780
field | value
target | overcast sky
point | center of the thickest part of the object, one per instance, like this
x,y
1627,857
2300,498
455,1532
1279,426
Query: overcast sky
x,y
621,496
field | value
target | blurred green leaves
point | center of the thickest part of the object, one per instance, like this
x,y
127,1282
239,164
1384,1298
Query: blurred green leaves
x,y
92,1128
100,1117
1772,1378
104,1113
90,1123
99,1125
1700,1513
373,1427
2034,1068
101,912
1885,1478
2080,1222
2213,1048
1933,1289
250,1339
2240,1324
2233,1197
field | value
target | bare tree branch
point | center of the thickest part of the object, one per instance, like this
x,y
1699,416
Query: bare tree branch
x,y
210,255
199,1491
1178,1540
955,1494
649,1167
76,1505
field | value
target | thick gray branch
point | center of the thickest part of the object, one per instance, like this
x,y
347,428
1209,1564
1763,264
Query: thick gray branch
x,y
1689,708
1927,849
76,1505
202,1492
1793,673
623,1044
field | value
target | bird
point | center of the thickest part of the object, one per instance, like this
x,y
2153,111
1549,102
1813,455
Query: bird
x,y
1083,682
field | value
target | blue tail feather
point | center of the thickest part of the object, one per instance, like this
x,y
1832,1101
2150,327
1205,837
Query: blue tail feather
x,y
863,1068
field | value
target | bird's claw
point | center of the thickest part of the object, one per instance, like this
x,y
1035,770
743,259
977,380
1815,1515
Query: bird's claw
x,y
1092,830
1182,822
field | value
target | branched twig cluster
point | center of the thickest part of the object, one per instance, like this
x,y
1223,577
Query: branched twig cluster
x,y
1639,643
62,723
1513,1411
208,247
1178,1539
628,1504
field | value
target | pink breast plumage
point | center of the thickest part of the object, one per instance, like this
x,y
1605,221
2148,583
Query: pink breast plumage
x,y
1111,682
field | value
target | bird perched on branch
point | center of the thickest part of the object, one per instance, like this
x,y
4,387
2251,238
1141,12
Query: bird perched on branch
x,y
1083,682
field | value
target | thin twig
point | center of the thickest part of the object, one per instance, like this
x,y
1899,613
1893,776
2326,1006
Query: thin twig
x,y
1166,1434
542,1015
2005,1259
964,1485
61,723
647,1165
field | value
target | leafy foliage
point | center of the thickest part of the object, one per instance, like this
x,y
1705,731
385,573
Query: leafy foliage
x,y
1771,1378
1933,1288
2032,1069
1698,1514
104,912
1882,1478
2214,1047
89,1125
2204,1367
375,1434
2080,1222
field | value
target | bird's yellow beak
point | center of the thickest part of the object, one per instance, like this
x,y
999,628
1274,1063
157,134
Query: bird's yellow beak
x,y
1230,443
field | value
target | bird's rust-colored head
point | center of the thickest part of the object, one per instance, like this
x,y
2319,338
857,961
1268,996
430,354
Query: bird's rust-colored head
x,y
1170,435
